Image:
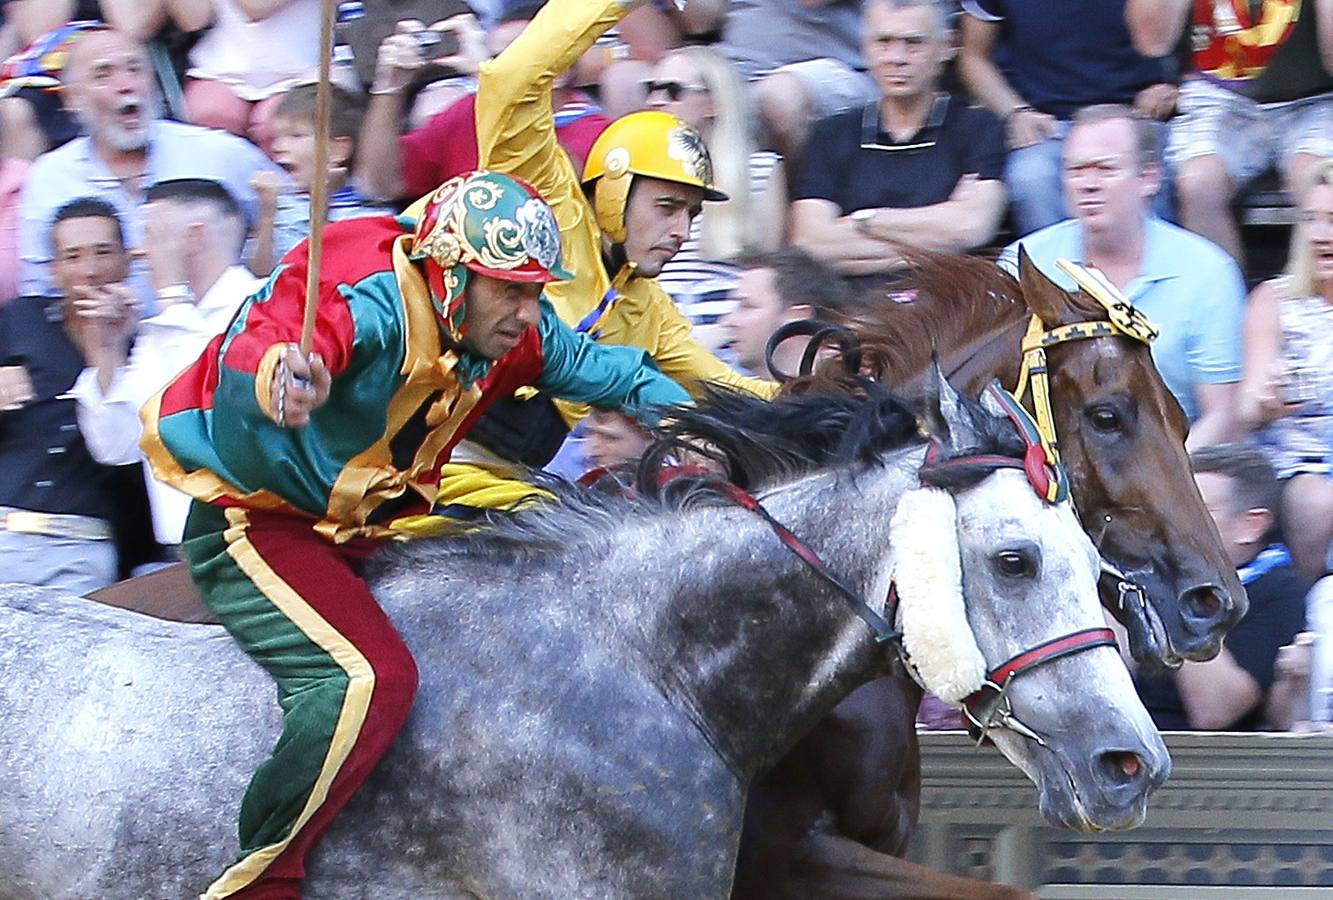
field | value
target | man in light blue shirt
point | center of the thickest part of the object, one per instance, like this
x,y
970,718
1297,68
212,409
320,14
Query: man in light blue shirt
x,y
1190,288
126,148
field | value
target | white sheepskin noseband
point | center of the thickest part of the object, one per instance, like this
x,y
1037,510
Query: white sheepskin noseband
x,y
937,637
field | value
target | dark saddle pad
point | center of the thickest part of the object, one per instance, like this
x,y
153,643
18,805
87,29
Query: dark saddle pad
x,y
169,593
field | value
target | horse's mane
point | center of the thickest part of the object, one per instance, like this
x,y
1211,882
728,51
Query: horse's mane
x,y
758,443
947,300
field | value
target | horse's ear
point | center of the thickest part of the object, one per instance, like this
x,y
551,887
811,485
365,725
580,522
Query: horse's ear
x,y
943,415
1044,297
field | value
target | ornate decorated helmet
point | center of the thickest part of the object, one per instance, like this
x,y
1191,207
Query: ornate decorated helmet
x,y
652,143
490,223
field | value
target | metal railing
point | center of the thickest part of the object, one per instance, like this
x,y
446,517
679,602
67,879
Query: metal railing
x,y
1243,816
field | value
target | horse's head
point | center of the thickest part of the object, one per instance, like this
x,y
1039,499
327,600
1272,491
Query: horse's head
x,y
1122,439
1070,717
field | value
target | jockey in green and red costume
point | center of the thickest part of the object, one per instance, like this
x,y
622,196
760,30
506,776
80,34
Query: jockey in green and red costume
x,y
300,467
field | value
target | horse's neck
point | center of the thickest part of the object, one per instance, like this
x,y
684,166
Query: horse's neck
x,y
996,354
762,648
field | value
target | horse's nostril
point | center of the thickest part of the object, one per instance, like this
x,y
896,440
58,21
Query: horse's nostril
x,y
1122,766
1206,602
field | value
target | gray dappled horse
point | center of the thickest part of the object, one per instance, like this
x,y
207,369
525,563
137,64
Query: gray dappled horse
x,y
600,682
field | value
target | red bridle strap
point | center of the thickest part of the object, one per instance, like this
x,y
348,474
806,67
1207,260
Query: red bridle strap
x,y
997,680
883,628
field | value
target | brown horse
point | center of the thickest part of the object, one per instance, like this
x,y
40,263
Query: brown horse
x,y
824,822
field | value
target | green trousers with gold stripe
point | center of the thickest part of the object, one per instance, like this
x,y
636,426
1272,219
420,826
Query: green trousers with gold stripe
x,y
297,604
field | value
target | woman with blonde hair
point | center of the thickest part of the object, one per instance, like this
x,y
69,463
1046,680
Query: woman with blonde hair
x,y
1287,377
702,86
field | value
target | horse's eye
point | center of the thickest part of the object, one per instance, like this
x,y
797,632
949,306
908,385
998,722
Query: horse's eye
x,y
1104,418
1015,564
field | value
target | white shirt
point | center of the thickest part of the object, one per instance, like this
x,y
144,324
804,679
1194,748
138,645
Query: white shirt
x,y
263,58
164,345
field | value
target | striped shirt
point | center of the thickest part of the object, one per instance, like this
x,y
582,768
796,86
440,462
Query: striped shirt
x,y
702,287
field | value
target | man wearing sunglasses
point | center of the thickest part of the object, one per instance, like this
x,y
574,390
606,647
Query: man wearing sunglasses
x,y
646,178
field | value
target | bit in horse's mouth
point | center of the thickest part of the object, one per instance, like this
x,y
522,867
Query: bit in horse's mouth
x,y
1158,635
1155,634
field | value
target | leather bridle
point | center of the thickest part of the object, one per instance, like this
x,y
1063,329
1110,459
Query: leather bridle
x,y
988,707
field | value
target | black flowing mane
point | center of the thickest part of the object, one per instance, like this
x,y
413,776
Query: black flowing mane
x,y
757,442
761,442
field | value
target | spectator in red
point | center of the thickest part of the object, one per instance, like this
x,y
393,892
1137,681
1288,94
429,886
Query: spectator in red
x,y
393,167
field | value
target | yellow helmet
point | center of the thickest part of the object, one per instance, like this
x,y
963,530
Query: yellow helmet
x,y
654,144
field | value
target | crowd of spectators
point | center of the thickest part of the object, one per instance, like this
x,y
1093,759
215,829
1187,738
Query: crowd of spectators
x,y
157,160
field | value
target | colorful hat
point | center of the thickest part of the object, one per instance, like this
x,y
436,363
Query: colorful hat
x,y
42,62
490,223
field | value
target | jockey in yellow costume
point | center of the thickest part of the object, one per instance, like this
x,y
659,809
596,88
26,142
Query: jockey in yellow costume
x,y
644,181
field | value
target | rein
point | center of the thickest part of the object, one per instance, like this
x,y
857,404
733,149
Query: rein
x,y
884,632
987,707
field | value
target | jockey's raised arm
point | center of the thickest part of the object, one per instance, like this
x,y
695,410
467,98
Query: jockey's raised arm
x,y
611,296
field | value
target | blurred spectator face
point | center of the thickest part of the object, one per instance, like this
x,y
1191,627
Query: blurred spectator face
x,y
88,253
657,221
1104,182
757,314
905,48
294,150
677,87
1242,530
613,439
1317,222
109,86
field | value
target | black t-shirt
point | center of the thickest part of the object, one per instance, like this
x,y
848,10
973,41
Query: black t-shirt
x,y
1062,55
1276,615
853,163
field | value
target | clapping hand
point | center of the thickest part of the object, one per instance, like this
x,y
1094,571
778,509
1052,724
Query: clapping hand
x,y
105,315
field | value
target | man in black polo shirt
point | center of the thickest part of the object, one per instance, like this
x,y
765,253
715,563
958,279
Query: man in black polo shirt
x,y
917,167
57,505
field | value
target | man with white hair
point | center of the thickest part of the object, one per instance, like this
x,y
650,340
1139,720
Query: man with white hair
x,y
195,231
125,148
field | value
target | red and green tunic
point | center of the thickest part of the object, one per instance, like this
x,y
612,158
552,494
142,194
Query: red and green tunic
x,y
400,399
289,514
